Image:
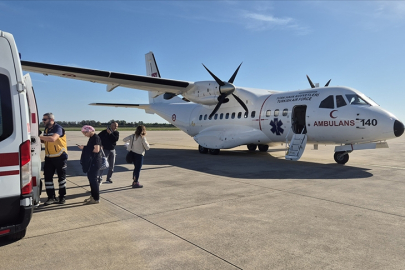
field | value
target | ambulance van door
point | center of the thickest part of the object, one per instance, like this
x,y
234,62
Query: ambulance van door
x,y
35,141
15,144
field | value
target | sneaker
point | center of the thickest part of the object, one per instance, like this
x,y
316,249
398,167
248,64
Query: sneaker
x,y
88,199
50,201
137,185
109,181
100,181
92,201
62,200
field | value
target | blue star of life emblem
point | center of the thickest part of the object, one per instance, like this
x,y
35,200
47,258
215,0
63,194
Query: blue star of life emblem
x,y
276,126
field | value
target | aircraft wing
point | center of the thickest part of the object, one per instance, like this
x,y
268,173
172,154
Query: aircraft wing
x,y
137,106
112,79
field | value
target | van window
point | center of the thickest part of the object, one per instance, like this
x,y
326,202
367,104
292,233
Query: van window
x,y
276,112
6,114
327,103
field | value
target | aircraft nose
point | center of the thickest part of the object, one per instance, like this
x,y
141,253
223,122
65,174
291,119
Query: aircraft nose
x,y
398,128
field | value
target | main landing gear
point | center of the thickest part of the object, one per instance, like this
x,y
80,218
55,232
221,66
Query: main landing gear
x,y
262,147
341,157
204,150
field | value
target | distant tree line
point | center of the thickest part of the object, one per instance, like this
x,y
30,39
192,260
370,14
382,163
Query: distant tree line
x,y
121,123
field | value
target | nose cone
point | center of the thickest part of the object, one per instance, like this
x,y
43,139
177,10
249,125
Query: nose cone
x,y
398,128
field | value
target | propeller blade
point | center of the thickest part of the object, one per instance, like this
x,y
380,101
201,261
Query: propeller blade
x,y
310,82
241,103
234,74
221,99
221,83
327,84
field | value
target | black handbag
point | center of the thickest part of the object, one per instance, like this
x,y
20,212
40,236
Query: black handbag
x,y
130,158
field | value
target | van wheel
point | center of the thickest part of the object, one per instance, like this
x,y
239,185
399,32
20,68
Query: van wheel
x,y
17,236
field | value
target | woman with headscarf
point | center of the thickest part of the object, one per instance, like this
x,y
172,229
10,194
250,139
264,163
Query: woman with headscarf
x,y
138,144
91,162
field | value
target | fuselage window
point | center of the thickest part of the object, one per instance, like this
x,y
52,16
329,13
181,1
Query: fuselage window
x,y
253,114
216,116
200,117
276,112
285,112
356,100
239,114
233,115
327,103
221,116
268,113
340,101
205,117
227,116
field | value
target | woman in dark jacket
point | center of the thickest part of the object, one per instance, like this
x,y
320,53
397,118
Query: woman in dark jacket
x,y
91,162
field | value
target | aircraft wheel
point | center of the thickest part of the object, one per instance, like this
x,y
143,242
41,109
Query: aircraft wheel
x,y
263,147
202,149
214,151
252,147
341,157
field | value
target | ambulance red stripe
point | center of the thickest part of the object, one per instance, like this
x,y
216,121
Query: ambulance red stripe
x,y
9,159
9,173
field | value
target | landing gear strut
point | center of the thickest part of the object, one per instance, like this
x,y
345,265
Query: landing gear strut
x,y
341,157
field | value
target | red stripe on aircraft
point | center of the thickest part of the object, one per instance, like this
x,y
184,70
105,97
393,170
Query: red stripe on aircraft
x,y
9,159
260,123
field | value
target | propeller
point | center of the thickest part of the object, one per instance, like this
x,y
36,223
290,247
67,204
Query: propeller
x,y
313,85
226,89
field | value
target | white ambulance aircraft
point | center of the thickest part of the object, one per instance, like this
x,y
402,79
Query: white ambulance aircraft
x,y
220,115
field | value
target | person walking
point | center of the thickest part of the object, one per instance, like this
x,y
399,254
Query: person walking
x,y
138,144
56,156
91,162
109,138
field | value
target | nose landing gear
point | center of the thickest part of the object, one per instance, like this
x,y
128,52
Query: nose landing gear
x,y
341,157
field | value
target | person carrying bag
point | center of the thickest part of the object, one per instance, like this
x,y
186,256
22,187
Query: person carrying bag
x,y
137,150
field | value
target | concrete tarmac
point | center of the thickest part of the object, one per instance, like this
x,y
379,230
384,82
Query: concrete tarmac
x,y
237,210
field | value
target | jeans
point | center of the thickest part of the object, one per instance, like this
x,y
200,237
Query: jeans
x,y
110,154
59,164
138,161
92,176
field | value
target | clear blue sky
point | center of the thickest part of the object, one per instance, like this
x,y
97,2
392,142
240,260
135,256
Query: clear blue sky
x,y
360,44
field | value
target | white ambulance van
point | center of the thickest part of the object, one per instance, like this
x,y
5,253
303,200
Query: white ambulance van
x,y
17,153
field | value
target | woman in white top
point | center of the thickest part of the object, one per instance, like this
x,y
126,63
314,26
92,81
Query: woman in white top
x,y
138,144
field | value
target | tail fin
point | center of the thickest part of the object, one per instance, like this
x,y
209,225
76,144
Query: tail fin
x,y
152,70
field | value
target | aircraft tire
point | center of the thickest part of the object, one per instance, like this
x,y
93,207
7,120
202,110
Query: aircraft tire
x,y
341,159
252,147
202,149
263,147
214,151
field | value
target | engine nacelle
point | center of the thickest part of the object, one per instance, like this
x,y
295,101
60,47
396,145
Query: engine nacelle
x,y
205,93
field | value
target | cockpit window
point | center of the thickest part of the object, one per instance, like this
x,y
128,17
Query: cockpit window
x,y
356,100
327,103
340,101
